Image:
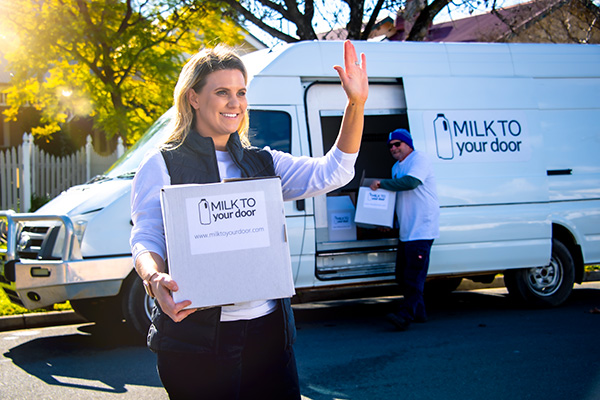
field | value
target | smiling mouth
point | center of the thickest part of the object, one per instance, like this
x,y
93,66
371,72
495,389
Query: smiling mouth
x,y
229,115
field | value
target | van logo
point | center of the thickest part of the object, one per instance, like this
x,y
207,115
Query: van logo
x,y
477,135
443,137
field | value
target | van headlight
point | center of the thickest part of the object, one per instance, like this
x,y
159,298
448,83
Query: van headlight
x,y
80,224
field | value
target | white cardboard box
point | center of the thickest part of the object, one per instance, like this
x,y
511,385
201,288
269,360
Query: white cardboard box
x,y
226,242
375,207
340,213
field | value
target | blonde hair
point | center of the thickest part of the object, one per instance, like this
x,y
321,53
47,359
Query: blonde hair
x,y
193,77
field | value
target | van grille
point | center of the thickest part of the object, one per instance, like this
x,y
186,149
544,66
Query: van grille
x,y
30,242
3,279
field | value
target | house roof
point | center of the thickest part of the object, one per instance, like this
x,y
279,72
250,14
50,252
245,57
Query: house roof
x,y
492,26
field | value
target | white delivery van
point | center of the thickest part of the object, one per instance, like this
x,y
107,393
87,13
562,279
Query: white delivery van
x,y
512,129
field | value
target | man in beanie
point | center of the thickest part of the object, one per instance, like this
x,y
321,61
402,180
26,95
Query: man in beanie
x,y
418,210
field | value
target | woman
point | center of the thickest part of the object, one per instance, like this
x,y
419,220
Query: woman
x,y
243,350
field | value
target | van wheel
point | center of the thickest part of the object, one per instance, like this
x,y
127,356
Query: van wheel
x,y
137,305
546,286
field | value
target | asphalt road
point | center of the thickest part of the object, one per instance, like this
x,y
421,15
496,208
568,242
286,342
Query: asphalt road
x,y
477,345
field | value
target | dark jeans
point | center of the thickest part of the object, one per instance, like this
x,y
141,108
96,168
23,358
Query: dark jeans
x,y
412,264
251,364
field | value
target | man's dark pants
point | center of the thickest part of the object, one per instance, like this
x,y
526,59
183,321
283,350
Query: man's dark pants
x,y
412,264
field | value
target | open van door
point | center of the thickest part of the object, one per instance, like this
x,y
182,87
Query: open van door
x,y
371,253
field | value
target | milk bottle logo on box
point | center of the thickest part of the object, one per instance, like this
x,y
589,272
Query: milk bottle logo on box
x,y
228,222
204,212
377,199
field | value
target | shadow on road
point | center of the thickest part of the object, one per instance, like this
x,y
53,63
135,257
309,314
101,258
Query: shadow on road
x,y
347,350
476,345
438,307
376,307
96,359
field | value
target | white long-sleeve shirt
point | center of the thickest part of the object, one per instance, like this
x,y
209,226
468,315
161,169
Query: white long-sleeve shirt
x,y
301,177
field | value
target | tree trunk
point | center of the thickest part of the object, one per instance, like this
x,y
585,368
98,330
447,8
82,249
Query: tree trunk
x,y
354,26
419,30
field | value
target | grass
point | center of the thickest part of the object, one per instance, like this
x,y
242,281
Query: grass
x,y
8,308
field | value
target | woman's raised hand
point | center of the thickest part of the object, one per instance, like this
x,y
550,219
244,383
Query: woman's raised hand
x,y
354,74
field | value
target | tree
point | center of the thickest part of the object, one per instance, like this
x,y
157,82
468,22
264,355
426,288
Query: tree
x,y
570,21
273,16
114,60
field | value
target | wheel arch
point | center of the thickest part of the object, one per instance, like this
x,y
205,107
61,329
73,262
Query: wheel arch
x,y
566,237
133,275
133,302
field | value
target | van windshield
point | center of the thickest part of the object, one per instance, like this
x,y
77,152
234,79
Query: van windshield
x,y
128,163
267,128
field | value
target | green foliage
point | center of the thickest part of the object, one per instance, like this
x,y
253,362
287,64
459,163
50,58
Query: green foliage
x,y
38,201
116,61
8,308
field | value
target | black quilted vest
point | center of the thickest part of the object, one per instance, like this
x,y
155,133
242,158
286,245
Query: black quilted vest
x,y
195,162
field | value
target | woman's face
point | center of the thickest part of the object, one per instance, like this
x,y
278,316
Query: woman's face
x,y
220,105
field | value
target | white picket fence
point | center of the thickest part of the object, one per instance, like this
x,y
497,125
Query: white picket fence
x,y
28,170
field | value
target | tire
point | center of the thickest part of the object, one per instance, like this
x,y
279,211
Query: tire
x,y
547,286
130,309
136,305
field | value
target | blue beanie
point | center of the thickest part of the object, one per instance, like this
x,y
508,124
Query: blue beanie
x,y
402,135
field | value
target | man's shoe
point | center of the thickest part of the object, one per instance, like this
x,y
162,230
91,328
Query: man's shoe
x,y
398,321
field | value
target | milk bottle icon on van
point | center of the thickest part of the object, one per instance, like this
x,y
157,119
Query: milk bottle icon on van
x,y
443,137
